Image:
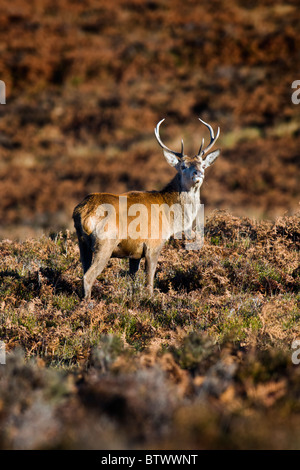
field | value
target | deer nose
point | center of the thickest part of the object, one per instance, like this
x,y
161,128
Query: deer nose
x,y
198,176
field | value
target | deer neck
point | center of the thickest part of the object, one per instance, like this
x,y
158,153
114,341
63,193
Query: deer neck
x,y
189,200
174,193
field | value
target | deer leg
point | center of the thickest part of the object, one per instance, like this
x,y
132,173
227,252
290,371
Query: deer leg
x,y
101,256
134,265
151,258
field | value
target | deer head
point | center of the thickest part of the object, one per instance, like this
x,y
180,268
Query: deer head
x,y
191,169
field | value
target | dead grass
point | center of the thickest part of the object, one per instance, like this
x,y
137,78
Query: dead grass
x,y
204,363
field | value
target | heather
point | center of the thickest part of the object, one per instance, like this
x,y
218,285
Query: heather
x,y
206,362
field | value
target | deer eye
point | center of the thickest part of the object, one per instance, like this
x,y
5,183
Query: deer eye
x,y
183,166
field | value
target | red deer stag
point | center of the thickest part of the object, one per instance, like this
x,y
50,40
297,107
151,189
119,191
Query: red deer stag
x,y
106,224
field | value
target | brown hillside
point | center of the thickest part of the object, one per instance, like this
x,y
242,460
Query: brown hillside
x,y
87,82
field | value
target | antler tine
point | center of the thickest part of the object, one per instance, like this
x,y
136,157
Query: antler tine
x,y
209,127
156,131
212,137
202,143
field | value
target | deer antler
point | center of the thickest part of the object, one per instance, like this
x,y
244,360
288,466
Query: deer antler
x,y
156,131
213,139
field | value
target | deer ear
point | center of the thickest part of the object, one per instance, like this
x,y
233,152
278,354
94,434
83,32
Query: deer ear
x,y
171,158
211,157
